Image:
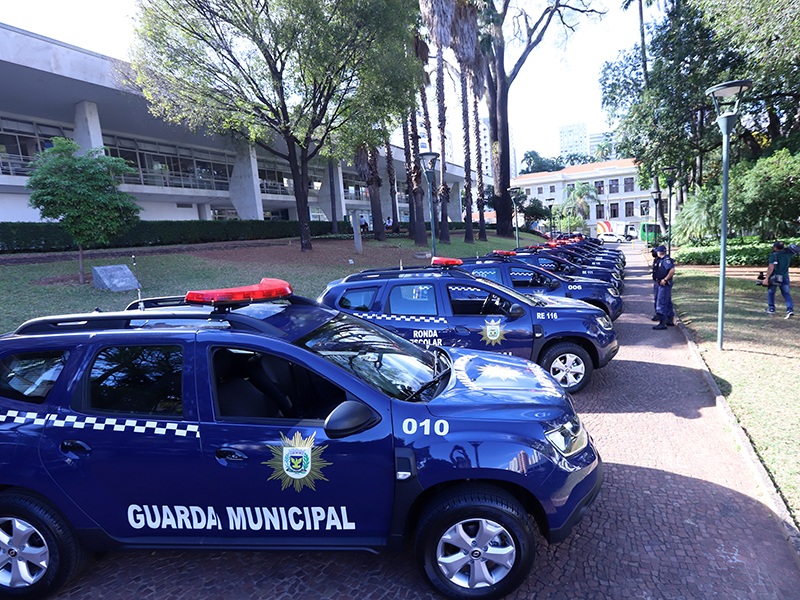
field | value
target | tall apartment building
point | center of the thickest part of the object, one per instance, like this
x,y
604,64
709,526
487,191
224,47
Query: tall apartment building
x,y
572,139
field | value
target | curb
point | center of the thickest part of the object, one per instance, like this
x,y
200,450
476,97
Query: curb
x,y
773,499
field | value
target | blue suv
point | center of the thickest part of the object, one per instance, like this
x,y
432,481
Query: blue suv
x,y
528,279
250,418
443,305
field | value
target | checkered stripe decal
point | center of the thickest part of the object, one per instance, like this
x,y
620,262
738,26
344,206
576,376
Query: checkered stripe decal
x,y
405,318
464,288
104,424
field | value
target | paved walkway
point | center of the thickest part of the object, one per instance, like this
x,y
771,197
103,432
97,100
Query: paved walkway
x,y
680,515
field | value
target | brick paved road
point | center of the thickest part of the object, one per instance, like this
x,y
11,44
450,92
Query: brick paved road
x,y
680,516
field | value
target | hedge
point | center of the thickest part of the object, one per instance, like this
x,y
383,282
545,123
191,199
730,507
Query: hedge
x,y
51,237
752,254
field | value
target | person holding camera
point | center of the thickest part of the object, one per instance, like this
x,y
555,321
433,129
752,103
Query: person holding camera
x,y
662,275
778,277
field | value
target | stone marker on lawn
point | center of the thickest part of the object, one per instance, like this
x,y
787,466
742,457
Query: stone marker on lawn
x,y
117,278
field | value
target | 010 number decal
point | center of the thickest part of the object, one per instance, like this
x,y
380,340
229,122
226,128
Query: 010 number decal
x,y
440,427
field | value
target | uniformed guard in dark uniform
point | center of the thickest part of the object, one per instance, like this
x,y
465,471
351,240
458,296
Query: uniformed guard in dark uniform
x,y
656,263
662,276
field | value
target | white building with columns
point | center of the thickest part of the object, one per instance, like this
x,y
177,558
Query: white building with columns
x,y
51,89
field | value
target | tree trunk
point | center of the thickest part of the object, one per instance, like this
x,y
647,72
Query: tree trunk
x,y
481,199
469,237
299,168
392,175
81,277
420,235
659,208
498,135
444,189
643,44
334,214
374,184
419,216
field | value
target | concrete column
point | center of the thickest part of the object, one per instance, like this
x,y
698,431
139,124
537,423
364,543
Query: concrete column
x,y
338,180
244,190
88,133
204,212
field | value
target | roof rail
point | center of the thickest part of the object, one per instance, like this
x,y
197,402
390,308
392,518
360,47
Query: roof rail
x,y
121,320
392,273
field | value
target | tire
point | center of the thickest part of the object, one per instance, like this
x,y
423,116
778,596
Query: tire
x,y
570,365
38,549
448,540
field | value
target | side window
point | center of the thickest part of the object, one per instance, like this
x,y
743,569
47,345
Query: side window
x,y
417,299
522,278
358,299
490,273
472,301
257,385
141,380
30,376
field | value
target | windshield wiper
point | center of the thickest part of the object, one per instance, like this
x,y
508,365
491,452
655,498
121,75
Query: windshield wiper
x,y
429,384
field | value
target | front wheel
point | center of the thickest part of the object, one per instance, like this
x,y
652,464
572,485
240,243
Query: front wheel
x,y
38,551
475,543
570,365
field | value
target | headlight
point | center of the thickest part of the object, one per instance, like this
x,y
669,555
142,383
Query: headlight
x,y
616,276
570,438
613,291
604,322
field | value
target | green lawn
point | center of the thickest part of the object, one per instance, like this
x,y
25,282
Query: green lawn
x,y
758,370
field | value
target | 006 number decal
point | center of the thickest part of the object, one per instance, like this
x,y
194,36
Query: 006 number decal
x,y
440,427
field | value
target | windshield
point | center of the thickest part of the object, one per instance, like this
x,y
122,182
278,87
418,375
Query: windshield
x,y
524,299
383,360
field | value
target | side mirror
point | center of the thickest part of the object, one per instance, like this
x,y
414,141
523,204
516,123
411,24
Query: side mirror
x,y
349,418
516,311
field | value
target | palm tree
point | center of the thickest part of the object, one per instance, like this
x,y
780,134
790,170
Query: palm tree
x,y
422,53
367,167
392,175
626,4
464,36
576,199
413,182
603,151
438,18
477,82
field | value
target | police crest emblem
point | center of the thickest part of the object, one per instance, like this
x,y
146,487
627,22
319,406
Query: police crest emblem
x,y
297,462
492,332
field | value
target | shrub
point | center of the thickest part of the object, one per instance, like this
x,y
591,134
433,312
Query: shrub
x,y
747,253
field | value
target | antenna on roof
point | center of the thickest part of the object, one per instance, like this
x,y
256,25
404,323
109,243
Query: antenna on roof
x,y
138,284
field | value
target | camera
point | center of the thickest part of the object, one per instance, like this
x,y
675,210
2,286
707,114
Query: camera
x,y
760,278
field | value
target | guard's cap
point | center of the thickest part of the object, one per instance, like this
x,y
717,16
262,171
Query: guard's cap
x,y
661,249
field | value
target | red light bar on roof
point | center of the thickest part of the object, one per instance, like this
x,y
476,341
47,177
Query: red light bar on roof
x,y
504,252
268,289
440,261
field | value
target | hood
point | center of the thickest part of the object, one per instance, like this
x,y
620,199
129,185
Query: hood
x,y
494,386
559,302
584,280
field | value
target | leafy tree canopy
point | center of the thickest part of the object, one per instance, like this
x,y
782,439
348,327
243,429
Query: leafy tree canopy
x,y
321,77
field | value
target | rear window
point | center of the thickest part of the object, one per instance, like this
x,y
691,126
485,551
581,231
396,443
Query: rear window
x,y
30,376
138,380
358,299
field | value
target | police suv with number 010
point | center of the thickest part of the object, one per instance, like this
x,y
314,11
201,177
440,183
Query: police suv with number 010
x,y
503,268
443,305
251,418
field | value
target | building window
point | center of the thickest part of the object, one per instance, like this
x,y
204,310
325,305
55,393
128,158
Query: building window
x,y
600,211
628,182
600,186
571,186
552,189
613,210
629,209
527,191
613,186
644,208
540,190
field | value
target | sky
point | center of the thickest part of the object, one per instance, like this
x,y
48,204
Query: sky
x,y
558,85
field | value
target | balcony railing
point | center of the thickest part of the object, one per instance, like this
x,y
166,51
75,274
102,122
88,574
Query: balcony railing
x,y
15,164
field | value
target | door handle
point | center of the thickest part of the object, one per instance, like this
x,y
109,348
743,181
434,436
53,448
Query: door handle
x,y
74,448
461,330
230,454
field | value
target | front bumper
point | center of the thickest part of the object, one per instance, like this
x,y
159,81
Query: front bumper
x,y
589,489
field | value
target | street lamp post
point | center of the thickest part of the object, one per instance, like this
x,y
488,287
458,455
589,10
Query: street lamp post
x,y
726,121
656,194
429,165
670,173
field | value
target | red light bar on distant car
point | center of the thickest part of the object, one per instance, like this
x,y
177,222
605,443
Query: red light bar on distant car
x,y
268,289
504,252
440,261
